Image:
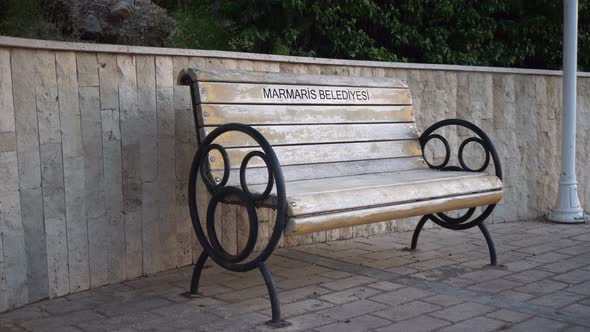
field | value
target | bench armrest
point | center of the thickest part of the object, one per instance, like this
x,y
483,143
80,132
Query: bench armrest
x,y
220,193
481,138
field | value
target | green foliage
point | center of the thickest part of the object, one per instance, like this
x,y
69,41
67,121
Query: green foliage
x,y
511,33
508,33
31,18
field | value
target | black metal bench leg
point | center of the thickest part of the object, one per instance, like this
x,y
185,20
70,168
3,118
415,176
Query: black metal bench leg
x,y
276,320
490,242
194,291
417,231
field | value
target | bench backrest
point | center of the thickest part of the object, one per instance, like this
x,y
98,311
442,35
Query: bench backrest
x,y
319,125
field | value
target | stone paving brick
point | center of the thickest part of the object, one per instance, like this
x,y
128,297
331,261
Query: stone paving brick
x,y
578,309
549,257
564,266
463,291
509,316
303,306
24,314
541,287
242,307
138,305
463,311
297,294
192,305
477,324
57,323
349,295
513,296
484,274
583,288
243,294
348,282
521,265
557,299
304,322
118,322
361,323
577,249
302,282
88,302
417,324
576,328
332,274
573,277
6,327
443,300
407,310
494,286
402,270
239,323
538,324
385,285
351,309
529,276
401,296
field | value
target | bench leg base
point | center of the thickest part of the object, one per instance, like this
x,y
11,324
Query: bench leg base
x,y
278,324
194,289
490,243
276,320
481,226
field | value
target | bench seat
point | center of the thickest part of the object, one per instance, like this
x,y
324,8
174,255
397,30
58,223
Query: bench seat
x,y
324,152
327,203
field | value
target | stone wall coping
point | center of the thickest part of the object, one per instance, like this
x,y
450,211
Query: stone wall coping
x,y
14,42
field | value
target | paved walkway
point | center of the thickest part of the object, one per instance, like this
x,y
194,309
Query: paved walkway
x,y
359,285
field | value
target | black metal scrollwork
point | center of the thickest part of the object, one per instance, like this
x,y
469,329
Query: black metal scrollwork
x,y
221,193
466,220
462,222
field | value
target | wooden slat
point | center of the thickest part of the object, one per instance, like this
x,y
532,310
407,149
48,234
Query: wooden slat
x,y
325,153
246,93
370,181
132,186
259,175
321,222
73,159
306,134
18,286
221,75
113,181
166,173
218,114
52,172
94,186
184,135
148,154
323,198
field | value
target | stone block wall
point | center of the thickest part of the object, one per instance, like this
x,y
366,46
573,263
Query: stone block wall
x,y
96,143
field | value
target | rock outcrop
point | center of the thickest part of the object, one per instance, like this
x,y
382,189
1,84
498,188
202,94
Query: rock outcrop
x,y
134,22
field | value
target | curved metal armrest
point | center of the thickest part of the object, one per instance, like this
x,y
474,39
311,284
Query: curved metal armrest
x,y
482,139
220,193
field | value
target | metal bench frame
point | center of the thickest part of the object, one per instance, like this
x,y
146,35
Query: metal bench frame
x,y
209,239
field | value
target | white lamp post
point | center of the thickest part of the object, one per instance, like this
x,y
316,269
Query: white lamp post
x,y
568,209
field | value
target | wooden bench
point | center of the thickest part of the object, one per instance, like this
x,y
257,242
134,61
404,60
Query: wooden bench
x,y
326,152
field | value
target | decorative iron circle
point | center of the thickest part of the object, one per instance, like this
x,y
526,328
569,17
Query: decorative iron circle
x,y
243,181
486,150
222,195
209,181
225,260
447,150
456,220
464,222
